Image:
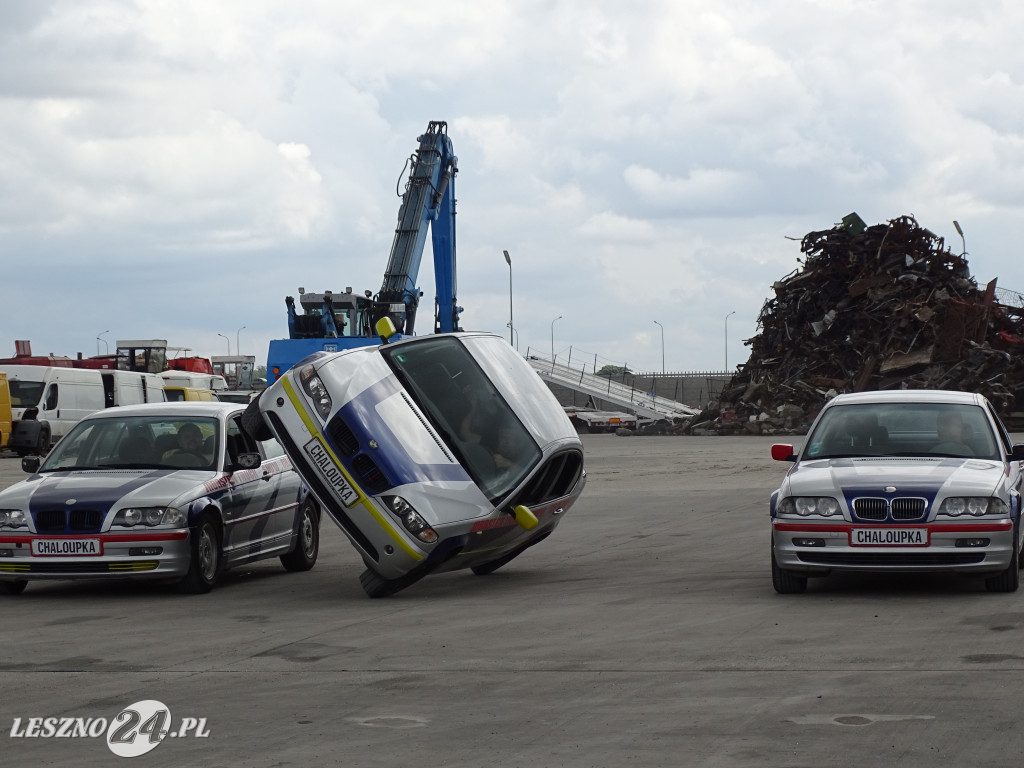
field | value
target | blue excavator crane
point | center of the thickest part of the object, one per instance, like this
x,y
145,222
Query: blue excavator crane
x,y
334,321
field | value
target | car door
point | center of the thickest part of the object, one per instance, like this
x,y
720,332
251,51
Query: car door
x,y
257,520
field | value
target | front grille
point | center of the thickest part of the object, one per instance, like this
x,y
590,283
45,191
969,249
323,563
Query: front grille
x,y
891,559
77,521
871,509
369,474
342,437
902,509
51,520
85,520
908,509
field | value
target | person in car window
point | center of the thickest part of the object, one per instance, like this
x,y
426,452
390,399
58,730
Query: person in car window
x,y
190,443
950,430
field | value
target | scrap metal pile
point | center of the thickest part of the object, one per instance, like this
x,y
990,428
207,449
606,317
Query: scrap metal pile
x,y
881,307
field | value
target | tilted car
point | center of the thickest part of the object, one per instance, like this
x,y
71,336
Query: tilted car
x,y
907,480
431,454
164,491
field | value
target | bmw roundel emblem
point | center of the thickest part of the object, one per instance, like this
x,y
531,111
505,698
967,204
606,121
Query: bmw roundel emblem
x,y
69,502
890,489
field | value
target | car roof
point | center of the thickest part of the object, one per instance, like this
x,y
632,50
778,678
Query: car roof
x,y
175,409
908,396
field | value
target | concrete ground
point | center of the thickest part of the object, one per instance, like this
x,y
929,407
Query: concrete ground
x,y
644,632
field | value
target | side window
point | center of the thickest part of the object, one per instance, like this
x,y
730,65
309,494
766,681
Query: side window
x,y
271,448
237,440
51,398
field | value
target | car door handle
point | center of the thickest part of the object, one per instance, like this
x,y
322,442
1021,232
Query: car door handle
x,y
267,476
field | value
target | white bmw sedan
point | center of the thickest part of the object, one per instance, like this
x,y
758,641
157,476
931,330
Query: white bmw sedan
x,y
907,480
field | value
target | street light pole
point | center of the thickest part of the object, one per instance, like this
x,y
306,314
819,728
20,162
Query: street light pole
x,y
228,341
98,340
511,327
238,347
662,346
960,232
553,338
516,332
727,340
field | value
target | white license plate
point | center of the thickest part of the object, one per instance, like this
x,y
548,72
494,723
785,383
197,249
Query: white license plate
x,y
323,461
66,547
889,537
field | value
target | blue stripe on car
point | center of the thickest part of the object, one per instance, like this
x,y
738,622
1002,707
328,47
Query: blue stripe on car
x,y
391,457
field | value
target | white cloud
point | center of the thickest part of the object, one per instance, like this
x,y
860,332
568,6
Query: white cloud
x,y
641,161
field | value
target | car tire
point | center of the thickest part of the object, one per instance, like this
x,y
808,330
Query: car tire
x,y
786,582
375,585
12,587
205,560
253,423
43,443
1008,580
307,543
485,569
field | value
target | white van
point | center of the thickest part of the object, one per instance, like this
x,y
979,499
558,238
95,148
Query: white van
x,y
195,380
47,401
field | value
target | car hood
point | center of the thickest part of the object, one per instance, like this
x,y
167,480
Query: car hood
x,y
103,489
918,476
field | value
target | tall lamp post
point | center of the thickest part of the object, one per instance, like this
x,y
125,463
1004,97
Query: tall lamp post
x,y
238,347
727,340
98,340
511,327
228,341
960,232
553,338
662,345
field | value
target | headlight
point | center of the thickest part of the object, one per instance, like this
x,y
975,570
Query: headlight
x,y
410,518
316,391
825,506
12,518
955,506
151,517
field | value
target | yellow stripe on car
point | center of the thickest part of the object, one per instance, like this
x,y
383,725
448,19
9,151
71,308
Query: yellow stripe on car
x,y
364,502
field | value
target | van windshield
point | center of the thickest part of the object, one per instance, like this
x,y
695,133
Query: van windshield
x,y
467,410
25,393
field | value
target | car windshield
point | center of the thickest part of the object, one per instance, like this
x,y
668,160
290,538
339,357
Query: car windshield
x,y
467,410
903,429
137,442
25,393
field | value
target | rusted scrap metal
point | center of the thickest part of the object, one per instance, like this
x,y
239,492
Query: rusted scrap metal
x,y
887,306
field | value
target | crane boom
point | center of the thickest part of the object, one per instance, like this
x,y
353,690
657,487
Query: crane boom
x,y
334,321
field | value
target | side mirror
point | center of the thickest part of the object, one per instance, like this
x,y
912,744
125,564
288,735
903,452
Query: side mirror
x,y
526,519
1017,452
246,461
782,452
30,464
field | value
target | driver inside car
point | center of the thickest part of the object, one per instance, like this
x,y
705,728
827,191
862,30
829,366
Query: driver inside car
x,y
190,442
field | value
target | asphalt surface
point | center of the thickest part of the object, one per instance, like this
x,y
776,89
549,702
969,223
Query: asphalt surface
x,y
644,632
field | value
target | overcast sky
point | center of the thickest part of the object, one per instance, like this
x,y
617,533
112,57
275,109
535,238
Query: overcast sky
x,y
174,170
